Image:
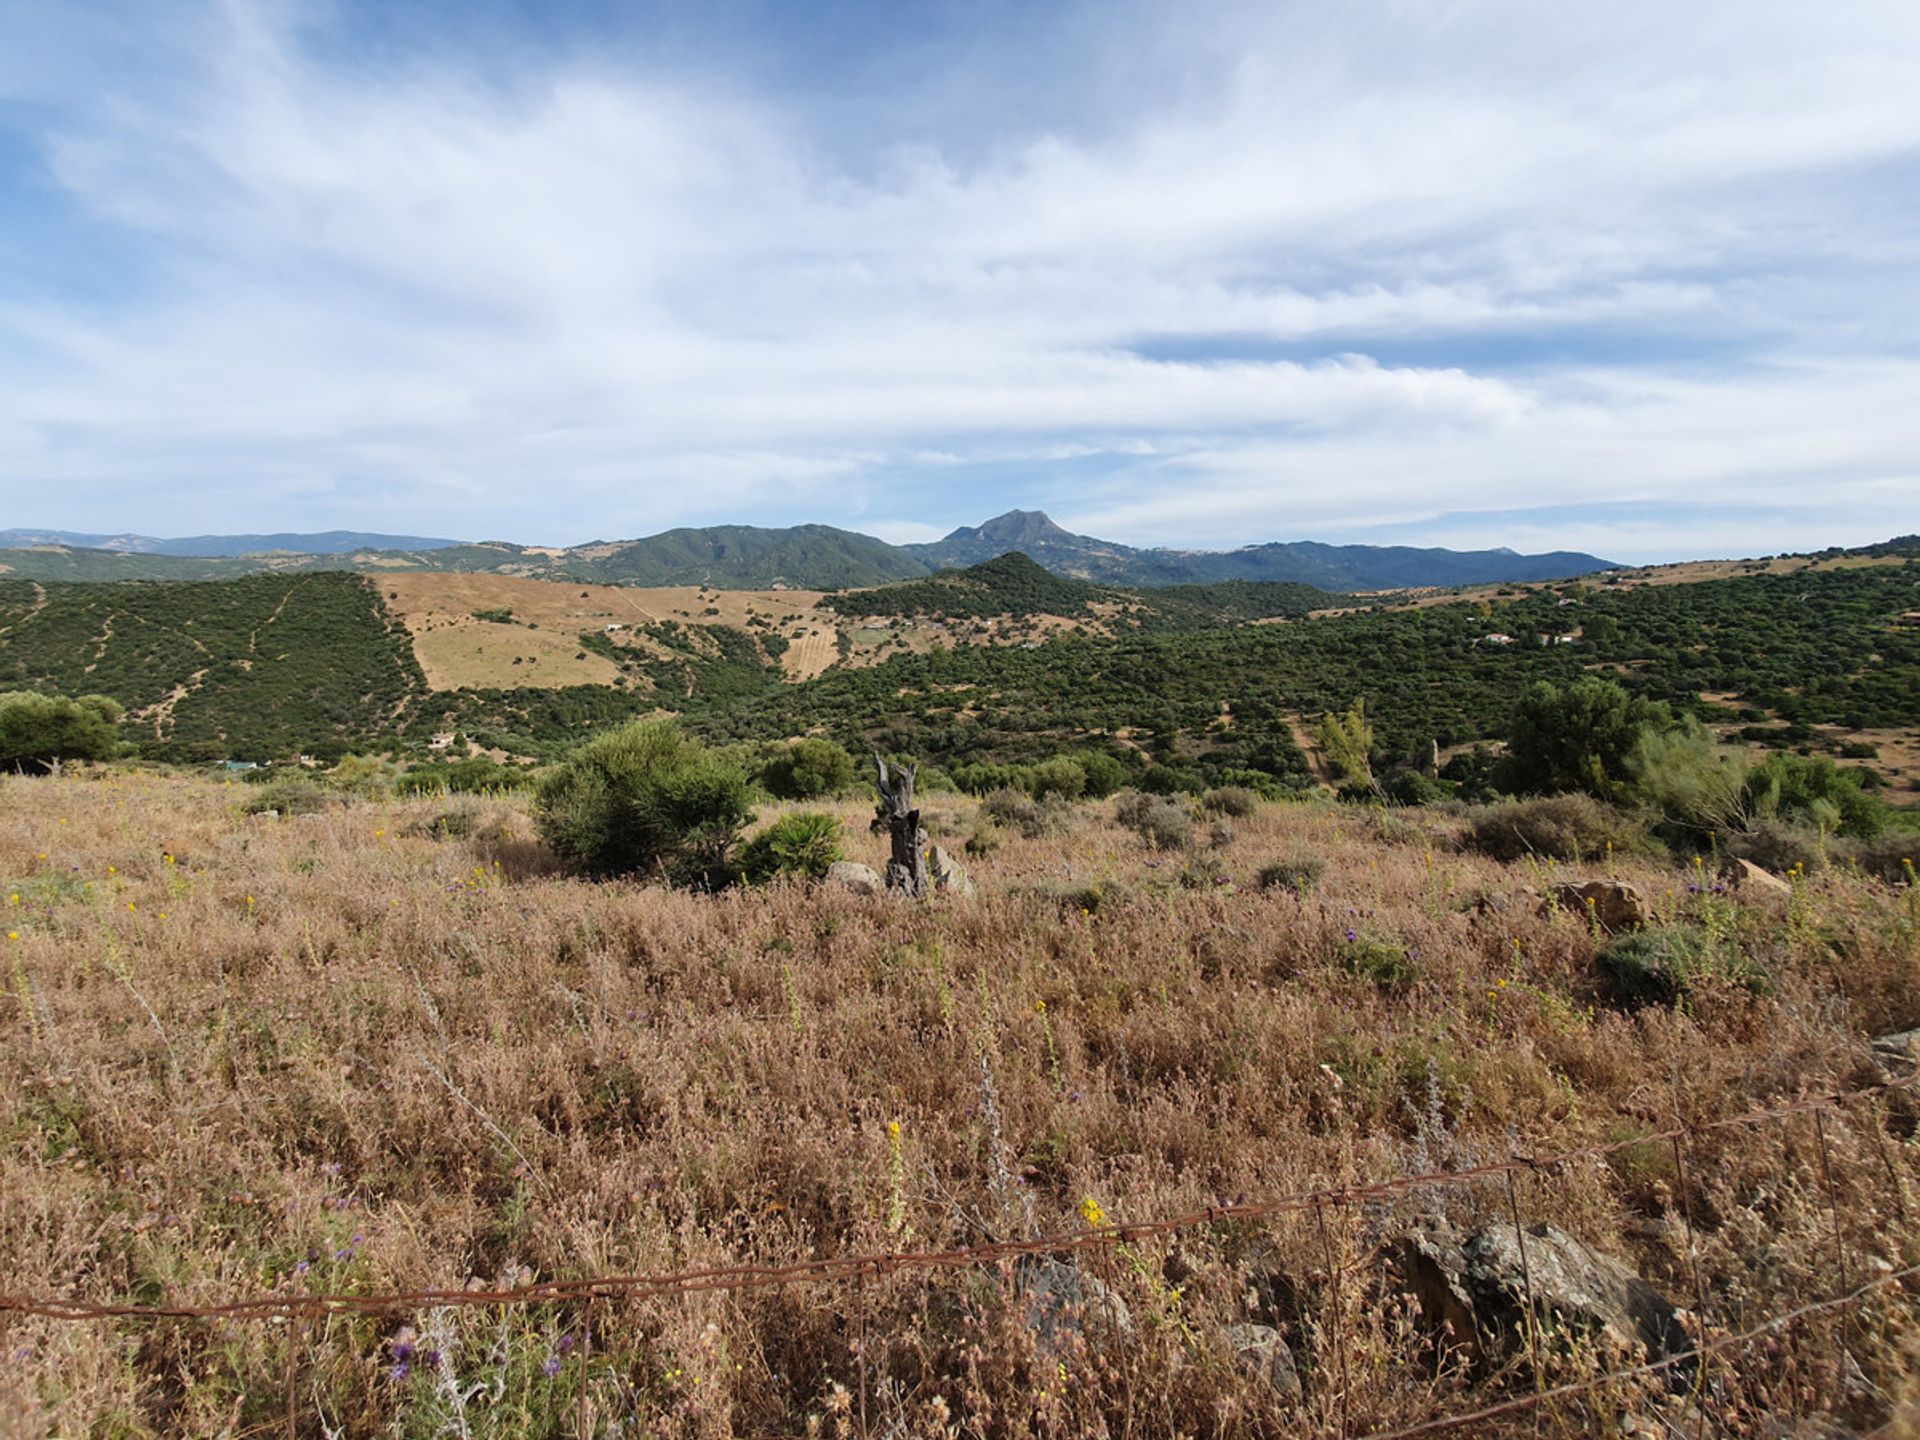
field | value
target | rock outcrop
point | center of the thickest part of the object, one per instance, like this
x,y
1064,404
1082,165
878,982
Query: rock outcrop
x,y
1473,1293
1615,904
947,874
860,879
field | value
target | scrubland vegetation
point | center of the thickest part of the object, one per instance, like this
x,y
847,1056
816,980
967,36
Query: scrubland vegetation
x,y
391,1043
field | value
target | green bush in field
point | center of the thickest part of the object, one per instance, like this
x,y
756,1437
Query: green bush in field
x,y
808,769
804,843
645,800
1554,827
38,731
1812,788
1664,965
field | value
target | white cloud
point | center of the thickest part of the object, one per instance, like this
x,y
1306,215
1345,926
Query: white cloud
x,y
604,301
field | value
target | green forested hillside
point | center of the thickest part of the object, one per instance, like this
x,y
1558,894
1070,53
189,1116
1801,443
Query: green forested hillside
x,y
268,666
1825,647
1017,586
255,668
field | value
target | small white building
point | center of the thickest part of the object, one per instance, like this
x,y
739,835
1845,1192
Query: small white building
x,y
1494,639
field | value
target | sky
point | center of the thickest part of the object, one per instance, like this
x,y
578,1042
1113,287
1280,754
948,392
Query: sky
x,y
1641,279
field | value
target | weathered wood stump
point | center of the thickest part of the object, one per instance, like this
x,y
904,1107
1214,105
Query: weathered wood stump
x,y
907,866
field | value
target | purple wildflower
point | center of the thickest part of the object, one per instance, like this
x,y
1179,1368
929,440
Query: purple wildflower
x,y
1352,935
399,1370
550,1367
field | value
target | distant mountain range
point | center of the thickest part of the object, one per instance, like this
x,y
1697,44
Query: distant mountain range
x,y
1329,567
805,557
326,542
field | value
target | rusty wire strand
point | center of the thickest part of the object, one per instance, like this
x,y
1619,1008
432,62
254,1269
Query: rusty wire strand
x,y
854,1267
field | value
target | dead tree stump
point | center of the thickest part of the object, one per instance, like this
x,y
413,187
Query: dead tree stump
x,y
907,866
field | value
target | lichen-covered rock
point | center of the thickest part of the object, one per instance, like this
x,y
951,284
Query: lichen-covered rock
x,y
1062,1303
948,874
1473,1294
1573,1284
1899,1054
1264,1355
860,879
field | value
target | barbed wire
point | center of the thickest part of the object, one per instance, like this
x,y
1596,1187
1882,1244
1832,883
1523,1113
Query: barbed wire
x,y
872,1264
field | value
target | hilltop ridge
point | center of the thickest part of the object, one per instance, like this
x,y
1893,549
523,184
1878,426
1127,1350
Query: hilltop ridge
x,y
751,557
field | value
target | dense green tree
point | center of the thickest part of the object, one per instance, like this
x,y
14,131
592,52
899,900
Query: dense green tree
x,y
38,732
808,769
1581,737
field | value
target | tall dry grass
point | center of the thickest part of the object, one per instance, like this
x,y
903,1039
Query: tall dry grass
x,y
340,1054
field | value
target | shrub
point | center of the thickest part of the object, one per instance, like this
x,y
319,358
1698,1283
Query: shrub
x,y
1101,896
456,822
1814,788
1299,876
1032,818
41,731
1059,776
983,839
1204,872
1663,966
1410,787
1347,741
1234,800
1104,774
1220,834
289,795
1161,821
644,799
1891,855
804,843
1557,827
1384,964
1169,780
1685,774
808,769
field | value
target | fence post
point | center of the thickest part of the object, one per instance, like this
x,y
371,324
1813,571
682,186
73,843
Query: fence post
x,y
296,1329
584,1418
1526,1279
1839,1248
1339,1319
1693,1267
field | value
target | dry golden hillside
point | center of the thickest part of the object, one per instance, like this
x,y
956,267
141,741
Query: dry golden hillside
x,y
351,1055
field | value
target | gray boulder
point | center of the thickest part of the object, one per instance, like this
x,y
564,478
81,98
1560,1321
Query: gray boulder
x,y
1476,1292
1898,1055
947,873
860,879
1062,1304
1264,1355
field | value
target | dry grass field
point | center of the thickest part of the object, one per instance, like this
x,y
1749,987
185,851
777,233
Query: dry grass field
x,y
456,648
340,1055
539,647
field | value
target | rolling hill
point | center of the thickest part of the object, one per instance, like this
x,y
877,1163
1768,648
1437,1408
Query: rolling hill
x,y
1330,567
801,557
